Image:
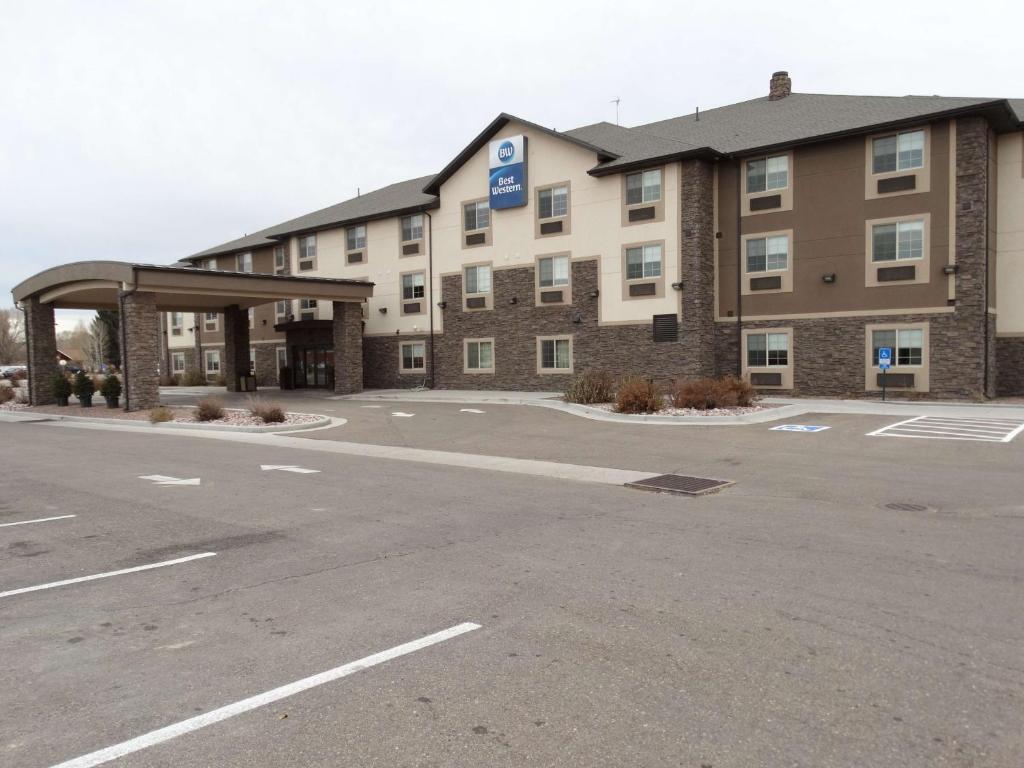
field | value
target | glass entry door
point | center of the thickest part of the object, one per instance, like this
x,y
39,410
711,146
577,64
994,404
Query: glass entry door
x,y
314,367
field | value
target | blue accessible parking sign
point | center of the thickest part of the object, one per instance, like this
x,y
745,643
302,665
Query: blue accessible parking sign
x,y
885,358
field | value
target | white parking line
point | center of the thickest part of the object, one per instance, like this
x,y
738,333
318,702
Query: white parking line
x,y
253,702
93,577
950,428
37,520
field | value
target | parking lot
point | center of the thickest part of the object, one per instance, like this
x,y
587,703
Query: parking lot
x,y
850,600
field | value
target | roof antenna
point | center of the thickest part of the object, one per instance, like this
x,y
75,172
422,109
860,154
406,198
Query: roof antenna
x,y
358,192
616,101
696,115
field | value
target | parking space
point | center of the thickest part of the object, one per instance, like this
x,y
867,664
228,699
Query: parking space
x,y
986,430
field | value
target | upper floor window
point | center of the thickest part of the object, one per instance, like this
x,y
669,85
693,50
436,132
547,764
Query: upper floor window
x,y
307,253
899,152
412,286
282,308
210,321
478,278
477,215
897,241
767,173
280,260
553,271
553,203
765,350
643,261
643,187
243,262
412,227
907,345
208,264
768,254
177,323
355,237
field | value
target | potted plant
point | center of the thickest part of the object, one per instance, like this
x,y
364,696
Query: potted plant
x,y
111,390
61,388
84,389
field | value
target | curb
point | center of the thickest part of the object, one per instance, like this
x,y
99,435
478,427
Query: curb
x,y
322,421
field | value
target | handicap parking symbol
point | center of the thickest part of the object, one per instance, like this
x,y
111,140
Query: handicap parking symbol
x,y
799,428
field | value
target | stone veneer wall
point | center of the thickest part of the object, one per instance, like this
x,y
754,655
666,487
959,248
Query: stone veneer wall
x,y
41,334
697,327
1010,366
348,347
380,363
141,328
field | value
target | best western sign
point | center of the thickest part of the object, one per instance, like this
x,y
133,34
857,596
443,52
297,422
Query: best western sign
x,y
507,172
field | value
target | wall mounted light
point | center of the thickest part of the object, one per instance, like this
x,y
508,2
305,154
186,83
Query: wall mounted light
x,y
829,277
577,318
951,269
442,304
677,286
594,294
514,300
264,322
383,310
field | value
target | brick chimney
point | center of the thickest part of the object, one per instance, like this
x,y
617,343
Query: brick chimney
x,y
780,87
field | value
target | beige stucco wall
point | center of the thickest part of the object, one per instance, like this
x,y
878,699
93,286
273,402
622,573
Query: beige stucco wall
x,y
1010,234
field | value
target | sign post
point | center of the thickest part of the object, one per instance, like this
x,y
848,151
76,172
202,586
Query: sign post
x,y
884,362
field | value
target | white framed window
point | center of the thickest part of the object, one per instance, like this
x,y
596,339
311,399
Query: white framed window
x,y
768,254
476,215
902,151
767,350
477,278
767,173
177,324
412,227
210,321
643,261
282,309
412,286
554,354
413,356
553,271
307,253
897,241
177,362
212,361
643,187
243,262
553,203
479,355
355,237
282,357
208,264
307,309
907,345
280,260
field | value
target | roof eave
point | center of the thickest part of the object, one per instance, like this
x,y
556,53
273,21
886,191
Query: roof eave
x,y
707,153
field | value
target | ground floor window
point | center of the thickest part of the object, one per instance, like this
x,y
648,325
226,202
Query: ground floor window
x,y
252,361
177,362
479,355
907,345
767,350
282,357
213,361
554,355
413,355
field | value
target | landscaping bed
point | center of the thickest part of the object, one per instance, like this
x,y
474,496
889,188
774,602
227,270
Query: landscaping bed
x,y
233,417
669,410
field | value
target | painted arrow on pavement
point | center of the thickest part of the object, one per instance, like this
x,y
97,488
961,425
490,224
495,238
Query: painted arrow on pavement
x,y
470,410
402,414
165,480
288,468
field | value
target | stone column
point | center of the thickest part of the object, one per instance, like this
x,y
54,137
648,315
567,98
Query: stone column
x,y
198,363
41,339
140,357
697,267
348,347
236,346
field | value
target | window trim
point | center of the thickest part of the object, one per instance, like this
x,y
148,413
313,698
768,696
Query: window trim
x,y
315,308
785,370
402,371
281,250
538,289
175,357
421,240
206,362
488,296
278,317
922,273
486,231
465,357
401,293
239,257
659,205
922,372
556,371
299,257
207,321
277,358
786,275
566,219
785,193
659,282
364,250
923,175
176,329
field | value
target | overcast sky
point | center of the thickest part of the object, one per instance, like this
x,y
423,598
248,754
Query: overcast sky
x,y
147,131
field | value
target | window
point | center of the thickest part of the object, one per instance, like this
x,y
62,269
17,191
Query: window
x,y
478,278
767,173
282,309
553,271
210,321
177,362
553,203
243,262
307,253
476,215
480,355
177,324
897,241
213,362
280,260
899,152
282,357
207,264
768,254
643,187
355,237
412,286
643,261
412,227
252,318
555,354
767,350
907,345
252,361
414,355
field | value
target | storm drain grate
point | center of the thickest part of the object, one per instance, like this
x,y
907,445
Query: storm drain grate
x,y
904,506
684,484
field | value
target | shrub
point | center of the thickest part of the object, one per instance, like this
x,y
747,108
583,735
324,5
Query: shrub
x,y
61,385
84,386
744,394
590,386
706,394
219,380
6,394
637,395
111,386
194,378
168,380
19,376
160,414
210,409
268,413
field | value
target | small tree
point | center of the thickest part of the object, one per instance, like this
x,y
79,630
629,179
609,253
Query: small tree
x,y
111,388
83,386
61,386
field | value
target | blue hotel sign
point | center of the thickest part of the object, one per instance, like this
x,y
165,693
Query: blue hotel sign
x,y
507,165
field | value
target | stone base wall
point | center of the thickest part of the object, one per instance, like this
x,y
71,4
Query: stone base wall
x,y
141,324
1009,366
41,352
266,365
381,363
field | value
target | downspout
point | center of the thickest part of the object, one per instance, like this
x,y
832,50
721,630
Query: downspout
x,y
739,271
984,313
122,332
28,350
430,279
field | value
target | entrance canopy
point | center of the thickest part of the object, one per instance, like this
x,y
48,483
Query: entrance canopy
x,y
97,285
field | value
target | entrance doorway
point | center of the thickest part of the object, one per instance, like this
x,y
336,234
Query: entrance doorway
x,y
313,367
